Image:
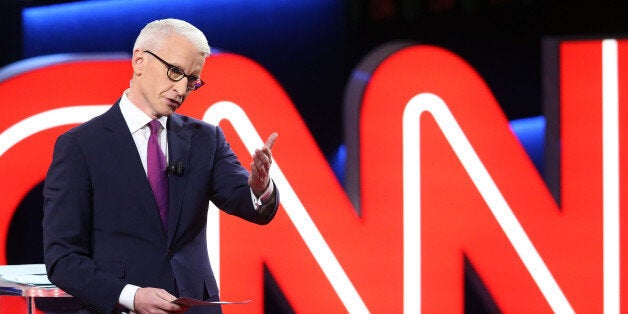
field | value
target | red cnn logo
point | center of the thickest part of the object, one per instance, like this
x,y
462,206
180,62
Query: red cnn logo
x,y
444,185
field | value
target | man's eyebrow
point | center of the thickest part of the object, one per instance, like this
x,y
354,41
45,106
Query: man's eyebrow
x,y
188,74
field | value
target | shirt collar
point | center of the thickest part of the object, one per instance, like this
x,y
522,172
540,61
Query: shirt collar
x,y
134,117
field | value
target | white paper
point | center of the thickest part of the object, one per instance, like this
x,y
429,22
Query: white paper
x,y
31,280
189,302
25,269
27,274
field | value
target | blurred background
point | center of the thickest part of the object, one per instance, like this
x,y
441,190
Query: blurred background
x,y
313,59
311,47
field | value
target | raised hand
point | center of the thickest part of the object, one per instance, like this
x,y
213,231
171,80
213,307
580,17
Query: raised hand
x,y
260,166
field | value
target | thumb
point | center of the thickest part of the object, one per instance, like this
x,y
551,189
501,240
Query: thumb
x,y
271,140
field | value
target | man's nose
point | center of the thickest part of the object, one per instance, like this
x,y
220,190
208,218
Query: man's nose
x,y
181,86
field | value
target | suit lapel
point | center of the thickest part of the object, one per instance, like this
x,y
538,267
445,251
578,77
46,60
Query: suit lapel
x,y
179,144
129,163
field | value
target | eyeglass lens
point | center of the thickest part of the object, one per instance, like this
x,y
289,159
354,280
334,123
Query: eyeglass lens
x,y
176,74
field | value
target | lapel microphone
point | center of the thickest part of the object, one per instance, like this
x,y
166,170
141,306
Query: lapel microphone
x,y
175,168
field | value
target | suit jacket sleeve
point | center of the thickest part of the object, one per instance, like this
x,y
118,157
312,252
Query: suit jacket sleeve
x,y
232,193
67,229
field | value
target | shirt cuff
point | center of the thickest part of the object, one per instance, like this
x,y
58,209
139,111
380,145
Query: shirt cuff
x,y
127,297
258,201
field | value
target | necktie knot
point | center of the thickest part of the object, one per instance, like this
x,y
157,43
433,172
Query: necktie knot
x,y
154,126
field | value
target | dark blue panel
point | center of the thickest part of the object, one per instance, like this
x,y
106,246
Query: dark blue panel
x,y
301,43
338,163
259,29
531,134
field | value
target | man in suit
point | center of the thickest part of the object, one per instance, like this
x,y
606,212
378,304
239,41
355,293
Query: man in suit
x,y
126,195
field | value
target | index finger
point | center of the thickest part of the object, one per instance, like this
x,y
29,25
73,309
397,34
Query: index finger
x,y
164,295
271,140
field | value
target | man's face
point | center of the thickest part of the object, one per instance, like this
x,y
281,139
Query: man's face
x,y
151,89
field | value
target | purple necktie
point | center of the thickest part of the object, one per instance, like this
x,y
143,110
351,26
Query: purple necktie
x,y
156,164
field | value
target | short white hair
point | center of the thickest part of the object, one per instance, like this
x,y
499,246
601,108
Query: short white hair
x,y
152,35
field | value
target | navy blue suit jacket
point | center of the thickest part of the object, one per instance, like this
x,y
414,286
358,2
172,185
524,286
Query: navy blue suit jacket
x,y
101,223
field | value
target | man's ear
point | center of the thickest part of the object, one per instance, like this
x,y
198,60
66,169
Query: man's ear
x,y
138,61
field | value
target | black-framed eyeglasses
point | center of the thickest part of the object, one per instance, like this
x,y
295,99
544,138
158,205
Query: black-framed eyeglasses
x,y
176,74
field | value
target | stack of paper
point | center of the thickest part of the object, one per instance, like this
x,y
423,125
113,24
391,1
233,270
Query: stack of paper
x,y
27,274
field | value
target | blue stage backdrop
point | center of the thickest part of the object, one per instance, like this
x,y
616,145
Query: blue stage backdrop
x,y
302,43
267,31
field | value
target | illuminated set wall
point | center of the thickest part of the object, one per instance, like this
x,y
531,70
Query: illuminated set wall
x,y
442,187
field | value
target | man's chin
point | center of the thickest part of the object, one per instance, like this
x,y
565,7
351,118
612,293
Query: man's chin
x,y
168,110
